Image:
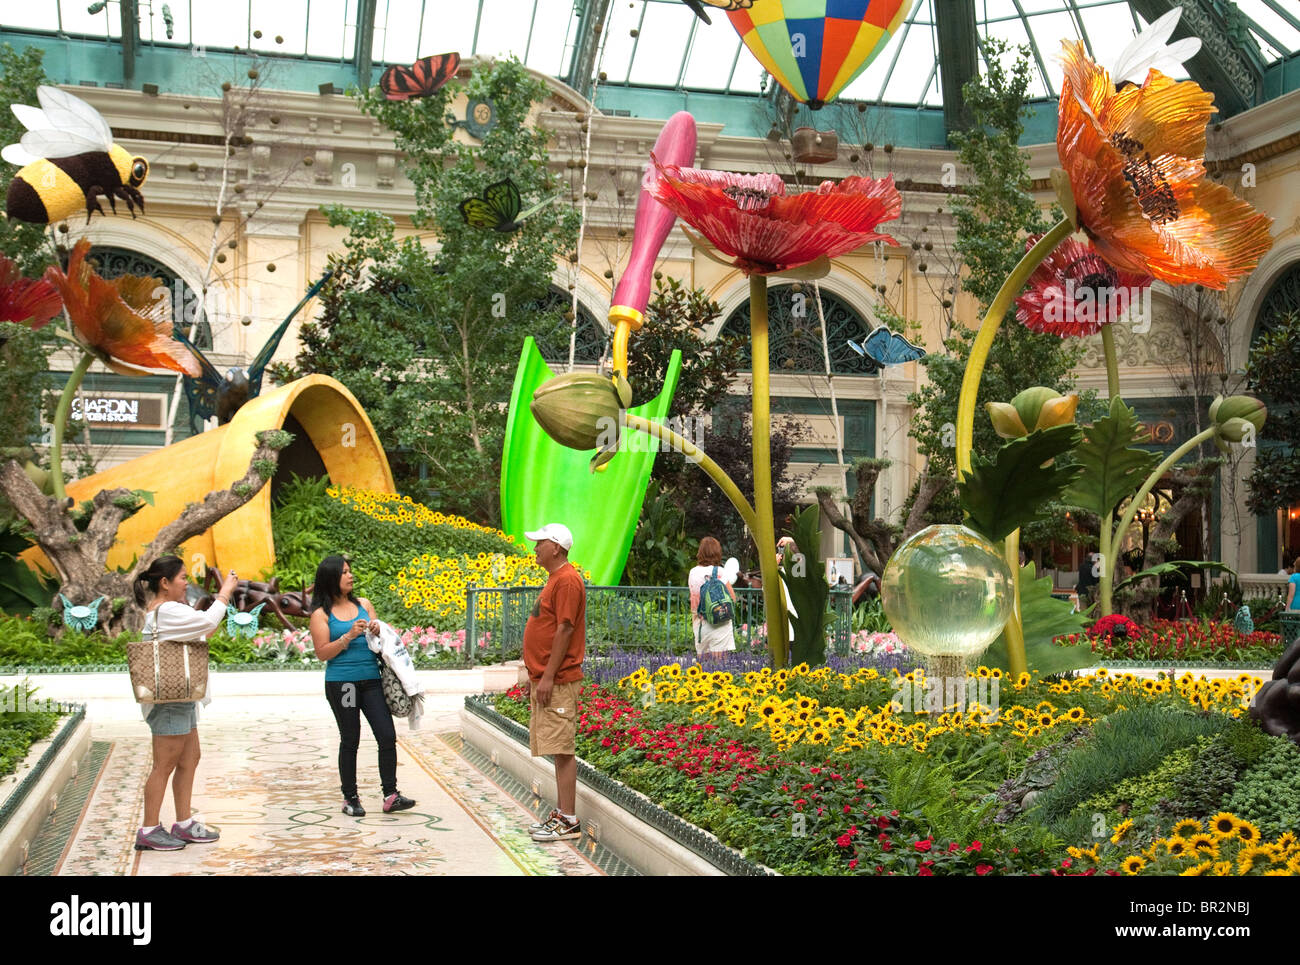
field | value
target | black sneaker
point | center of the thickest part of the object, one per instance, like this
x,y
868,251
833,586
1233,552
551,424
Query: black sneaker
x,y
352,807
395,802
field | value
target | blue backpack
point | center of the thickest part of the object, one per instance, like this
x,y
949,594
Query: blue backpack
x,y
715,603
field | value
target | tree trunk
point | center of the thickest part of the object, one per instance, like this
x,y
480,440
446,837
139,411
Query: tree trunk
x,y
875,540
79,558
1192,481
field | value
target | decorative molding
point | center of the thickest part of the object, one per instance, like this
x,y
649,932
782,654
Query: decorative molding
x,y
323,166
385,170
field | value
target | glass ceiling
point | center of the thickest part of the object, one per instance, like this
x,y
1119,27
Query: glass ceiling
x,y
651,43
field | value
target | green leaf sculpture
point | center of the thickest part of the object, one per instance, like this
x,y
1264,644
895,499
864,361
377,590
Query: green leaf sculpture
x,y
545,482
1001,496
1112,467
1044,619
809,592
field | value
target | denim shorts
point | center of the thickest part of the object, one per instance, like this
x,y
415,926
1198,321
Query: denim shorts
x,y
173,720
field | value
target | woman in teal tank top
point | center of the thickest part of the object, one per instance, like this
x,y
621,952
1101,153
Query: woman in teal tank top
x,y
339,622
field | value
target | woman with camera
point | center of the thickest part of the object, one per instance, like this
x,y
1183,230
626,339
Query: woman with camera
x,y
161,590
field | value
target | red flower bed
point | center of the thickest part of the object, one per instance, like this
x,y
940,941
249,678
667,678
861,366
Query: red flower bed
x,y
1177,640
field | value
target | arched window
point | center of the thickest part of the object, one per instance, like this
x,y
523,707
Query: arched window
x,y
554,343
1282,299
794,332
113,262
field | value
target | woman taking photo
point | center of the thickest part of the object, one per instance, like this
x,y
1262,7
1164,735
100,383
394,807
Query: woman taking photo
x,y
339,621
161,591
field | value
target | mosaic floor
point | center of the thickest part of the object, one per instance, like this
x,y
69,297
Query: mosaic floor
x,y
268,780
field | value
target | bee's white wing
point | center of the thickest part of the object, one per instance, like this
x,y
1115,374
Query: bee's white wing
x,y
17,154
57,143
32,118
70,114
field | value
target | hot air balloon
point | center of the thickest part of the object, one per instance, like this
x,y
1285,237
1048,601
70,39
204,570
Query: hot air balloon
x,y
815,47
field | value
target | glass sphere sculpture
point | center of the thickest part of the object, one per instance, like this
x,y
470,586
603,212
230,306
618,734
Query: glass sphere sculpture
x,y
947,592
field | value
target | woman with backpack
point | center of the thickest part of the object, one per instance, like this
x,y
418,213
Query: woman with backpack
x,y
710,592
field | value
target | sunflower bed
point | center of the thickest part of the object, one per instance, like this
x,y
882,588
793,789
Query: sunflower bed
x,y
814,771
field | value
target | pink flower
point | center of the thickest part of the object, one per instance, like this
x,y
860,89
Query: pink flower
x,y
983,869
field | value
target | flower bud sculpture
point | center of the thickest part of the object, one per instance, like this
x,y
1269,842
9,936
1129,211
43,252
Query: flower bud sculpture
x,y
1236,419
1036,407
583,411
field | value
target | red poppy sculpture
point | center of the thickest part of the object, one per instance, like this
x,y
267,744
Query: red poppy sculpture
x,y
27,301
752,219
1074,292
767,232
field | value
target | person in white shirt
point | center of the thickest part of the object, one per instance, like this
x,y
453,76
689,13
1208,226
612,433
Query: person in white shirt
x,y
161,591
710,642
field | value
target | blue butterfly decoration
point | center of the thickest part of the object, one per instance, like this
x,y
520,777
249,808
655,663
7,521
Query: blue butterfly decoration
x,y
242,624
83,618
886,347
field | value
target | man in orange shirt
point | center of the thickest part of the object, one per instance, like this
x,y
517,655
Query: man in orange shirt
x,y
555,642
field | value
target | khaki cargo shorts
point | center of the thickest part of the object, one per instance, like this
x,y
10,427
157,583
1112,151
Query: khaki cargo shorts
x,y
553,729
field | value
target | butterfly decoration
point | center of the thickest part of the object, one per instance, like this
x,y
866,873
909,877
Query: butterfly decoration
x,y
498,209
83,618
242,624
886,347
209,393
423,78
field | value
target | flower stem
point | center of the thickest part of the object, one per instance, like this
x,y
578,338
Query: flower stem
x,y
1107,568
970,385
1014,629
696,454
979,353
60,420
1125,521
765,532
1112,363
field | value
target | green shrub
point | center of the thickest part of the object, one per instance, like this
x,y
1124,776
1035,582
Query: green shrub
x,y
19,730
26,643
1268,794
1137,795
1124,744
313,521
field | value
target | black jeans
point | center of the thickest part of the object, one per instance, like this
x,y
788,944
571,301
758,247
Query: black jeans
x,y
349,700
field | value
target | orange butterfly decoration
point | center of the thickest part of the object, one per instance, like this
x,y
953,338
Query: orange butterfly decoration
x,y
126,323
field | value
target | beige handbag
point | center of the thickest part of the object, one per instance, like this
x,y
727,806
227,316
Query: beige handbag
x,y
167,671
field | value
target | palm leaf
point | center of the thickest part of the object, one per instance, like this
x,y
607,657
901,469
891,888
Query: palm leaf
x,y
1176,566
1001,496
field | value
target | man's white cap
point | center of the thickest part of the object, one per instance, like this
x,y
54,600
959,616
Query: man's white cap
x,y
556,533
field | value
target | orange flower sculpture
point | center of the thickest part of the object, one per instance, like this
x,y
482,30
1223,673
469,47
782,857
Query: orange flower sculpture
x,y
125,323
26,301
1074,292
1135,160
750,217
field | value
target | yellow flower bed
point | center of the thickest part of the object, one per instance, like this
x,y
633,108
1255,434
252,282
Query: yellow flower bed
x,y
437,584
402,510
1224,845
758,702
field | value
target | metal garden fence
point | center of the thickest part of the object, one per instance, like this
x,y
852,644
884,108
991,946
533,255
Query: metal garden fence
x,y
654,618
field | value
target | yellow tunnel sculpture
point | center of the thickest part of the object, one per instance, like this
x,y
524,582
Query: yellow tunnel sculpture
x,y
337,430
